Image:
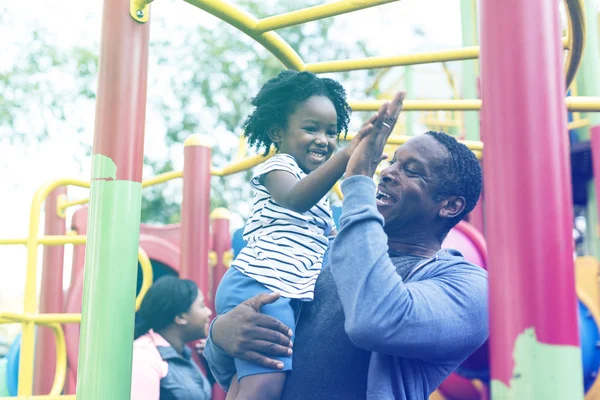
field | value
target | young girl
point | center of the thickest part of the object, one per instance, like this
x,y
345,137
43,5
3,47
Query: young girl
x,y
287,233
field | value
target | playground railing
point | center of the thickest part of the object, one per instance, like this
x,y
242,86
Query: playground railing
x,y
30,317
262,30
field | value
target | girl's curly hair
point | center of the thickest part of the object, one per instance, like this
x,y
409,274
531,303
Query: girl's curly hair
x,y
280,96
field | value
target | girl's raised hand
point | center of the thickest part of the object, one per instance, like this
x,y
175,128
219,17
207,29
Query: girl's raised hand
x,y
364,131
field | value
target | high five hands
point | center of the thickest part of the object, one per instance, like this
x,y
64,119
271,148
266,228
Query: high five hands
x,y
368,152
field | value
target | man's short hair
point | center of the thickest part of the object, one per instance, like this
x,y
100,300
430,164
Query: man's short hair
x,y
462,176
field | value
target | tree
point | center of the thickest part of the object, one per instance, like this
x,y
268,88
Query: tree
x,y
219,74
200,80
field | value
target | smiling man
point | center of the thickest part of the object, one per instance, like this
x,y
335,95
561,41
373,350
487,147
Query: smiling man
x,y
393,313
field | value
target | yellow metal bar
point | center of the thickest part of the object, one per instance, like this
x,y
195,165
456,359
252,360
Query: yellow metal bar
x,y
58,240
398,140
30,301
575,92
242,165
233,168
246,23
13,241
420,105
450,78
574,103
315,13
167,176
576,35
242,149
579,123
61,397
337,189
465,53
60,212
462,53
61,347
64,204
147,277
60,373
139,10
583,104
430,120
51,240
43,319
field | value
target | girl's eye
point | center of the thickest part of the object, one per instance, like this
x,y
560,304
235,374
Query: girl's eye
x,y
332,134
310,129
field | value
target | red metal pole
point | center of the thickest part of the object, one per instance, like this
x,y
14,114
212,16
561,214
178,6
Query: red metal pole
x,y
595,144
221,246
528,213
195,211
108,304
51,295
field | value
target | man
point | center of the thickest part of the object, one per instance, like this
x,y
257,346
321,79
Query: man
x,y
393,314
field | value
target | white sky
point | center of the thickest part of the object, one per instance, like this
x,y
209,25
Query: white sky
x,y
24,168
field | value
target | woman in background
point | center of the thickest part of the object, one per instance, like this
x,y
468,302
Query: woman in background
x,y
172,314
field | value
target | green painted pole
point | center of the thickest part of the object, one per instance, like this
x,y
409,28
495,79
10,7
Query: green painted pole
x,y
106,341
409,129
588,84
470,71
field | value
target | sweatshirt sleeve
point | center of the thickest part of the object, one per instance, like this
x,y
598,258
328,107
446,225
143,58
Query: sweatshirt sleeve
x,y
221,364
441,318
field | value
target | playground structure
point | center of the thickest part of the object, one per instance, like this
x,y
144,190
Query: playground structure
x,y
534,327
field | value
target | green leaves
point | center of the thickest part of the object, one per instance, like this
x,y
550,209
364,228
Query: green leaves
x,y
200,80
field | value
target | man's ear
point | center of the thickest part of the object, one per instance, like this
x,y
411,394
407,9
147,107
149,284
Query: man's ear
x,y
452,207
275,133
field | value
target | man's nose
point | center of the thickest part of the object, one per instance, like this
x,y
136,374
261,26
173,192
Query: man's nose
x,y
388,176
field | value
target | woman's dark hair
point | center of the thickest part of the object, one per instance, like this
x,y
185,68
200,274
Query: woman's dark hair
x,y
280,96
167,298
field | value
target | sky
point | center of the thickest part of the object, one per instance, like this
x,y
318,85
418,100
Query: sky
x,y
25,167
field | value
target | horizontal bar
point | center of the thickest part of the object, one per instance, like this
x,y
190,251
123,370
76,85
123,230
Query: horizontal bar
x,y
583,104
579,123
461,53
398,140
162,178
314,13
158,179
574,104
72,203
46,397
464,53
58,240
50,240
12,241
440,122
420,105
43,319
241,165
